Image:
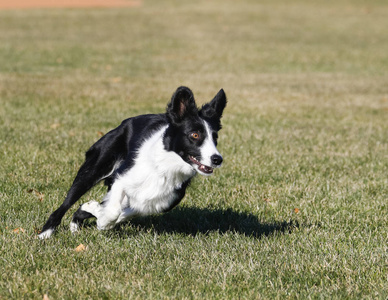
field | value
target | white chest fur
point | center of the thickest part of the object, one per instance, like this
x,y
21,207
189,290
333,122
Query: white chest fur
x,y
150,185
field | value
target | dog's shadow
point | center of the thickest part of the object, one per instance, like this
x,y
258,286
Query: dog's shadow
x,y
193,221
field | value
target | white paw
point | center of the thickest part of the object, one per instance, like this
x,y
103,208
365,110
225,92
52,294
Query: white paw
x,y
105,225
46,234
92,207
73,227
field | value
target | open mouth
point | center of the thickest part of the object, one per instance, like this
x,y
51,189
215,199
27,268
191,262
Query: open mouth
x,y
201,167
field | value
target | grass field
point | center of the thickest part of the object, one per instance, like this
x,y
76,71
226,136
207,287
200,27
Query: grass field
x,y
299,208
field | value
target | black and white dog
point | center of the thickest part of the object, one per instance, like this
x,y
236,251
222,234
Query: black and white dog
x,y
147,163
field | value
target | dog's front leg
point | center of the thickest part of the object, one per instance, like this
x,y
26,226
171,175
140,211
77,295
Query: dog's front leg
x,y
126,214
110,208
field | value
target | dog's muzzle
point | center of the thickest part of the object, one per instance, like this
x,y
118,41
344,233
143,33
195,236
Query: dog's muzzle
x,y
203,168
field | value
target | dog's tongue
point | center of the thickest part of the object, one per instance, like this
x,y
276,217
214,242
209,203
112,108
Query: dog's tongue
x,y
201,167
205,169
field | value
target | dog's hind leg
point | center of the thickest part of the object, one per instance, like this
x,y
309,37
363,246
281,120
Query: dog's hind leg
x,y
87,210
101,160
107,213
90,173
78,218
91,209
75,192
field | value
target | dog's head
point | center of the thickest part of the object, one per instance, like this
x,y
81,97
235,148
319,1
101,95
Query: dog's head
x,y
193,132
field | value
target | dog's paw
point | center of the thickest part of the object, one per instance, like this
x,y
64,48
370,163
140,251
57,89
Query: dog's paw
x,y
45,234
92,207
105,225
73,227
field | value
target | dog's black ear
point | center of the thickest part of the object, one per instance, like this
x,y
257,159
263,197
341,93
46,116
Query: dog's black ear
x,y
214,109
182,104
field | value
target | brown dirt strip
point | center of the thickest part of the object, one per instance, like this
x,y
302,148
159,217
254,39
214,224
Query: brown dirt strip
x,y
19,4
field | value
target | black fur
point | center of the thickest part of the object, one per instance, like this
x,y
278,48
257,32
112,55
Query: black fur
x,y
115,152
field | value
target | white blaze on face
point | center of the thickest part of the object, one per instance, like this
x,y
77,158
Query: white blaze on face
x,y
208,147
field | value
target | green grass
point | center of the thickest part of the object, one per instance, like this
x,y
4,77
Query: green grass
x,y
306,128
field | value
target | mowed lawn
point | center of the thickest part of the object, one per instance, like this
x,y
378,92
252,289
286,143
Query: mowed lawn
x,y
299,208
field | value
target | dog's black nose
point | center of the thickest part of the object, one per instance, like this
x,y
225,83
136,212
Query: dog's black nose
x,y
216,159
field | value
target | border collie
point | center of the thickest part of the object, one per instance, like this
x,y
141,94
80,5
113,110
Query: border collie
x,y
147,163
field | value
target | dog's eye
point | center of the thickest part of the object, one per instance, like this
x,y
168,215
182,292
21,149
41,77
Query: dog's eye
x,y
195,135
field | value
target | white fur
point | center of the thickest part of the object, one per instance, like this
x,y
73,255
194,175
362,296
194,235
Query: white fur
x,y
73,227
46,234
208,149
147,188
